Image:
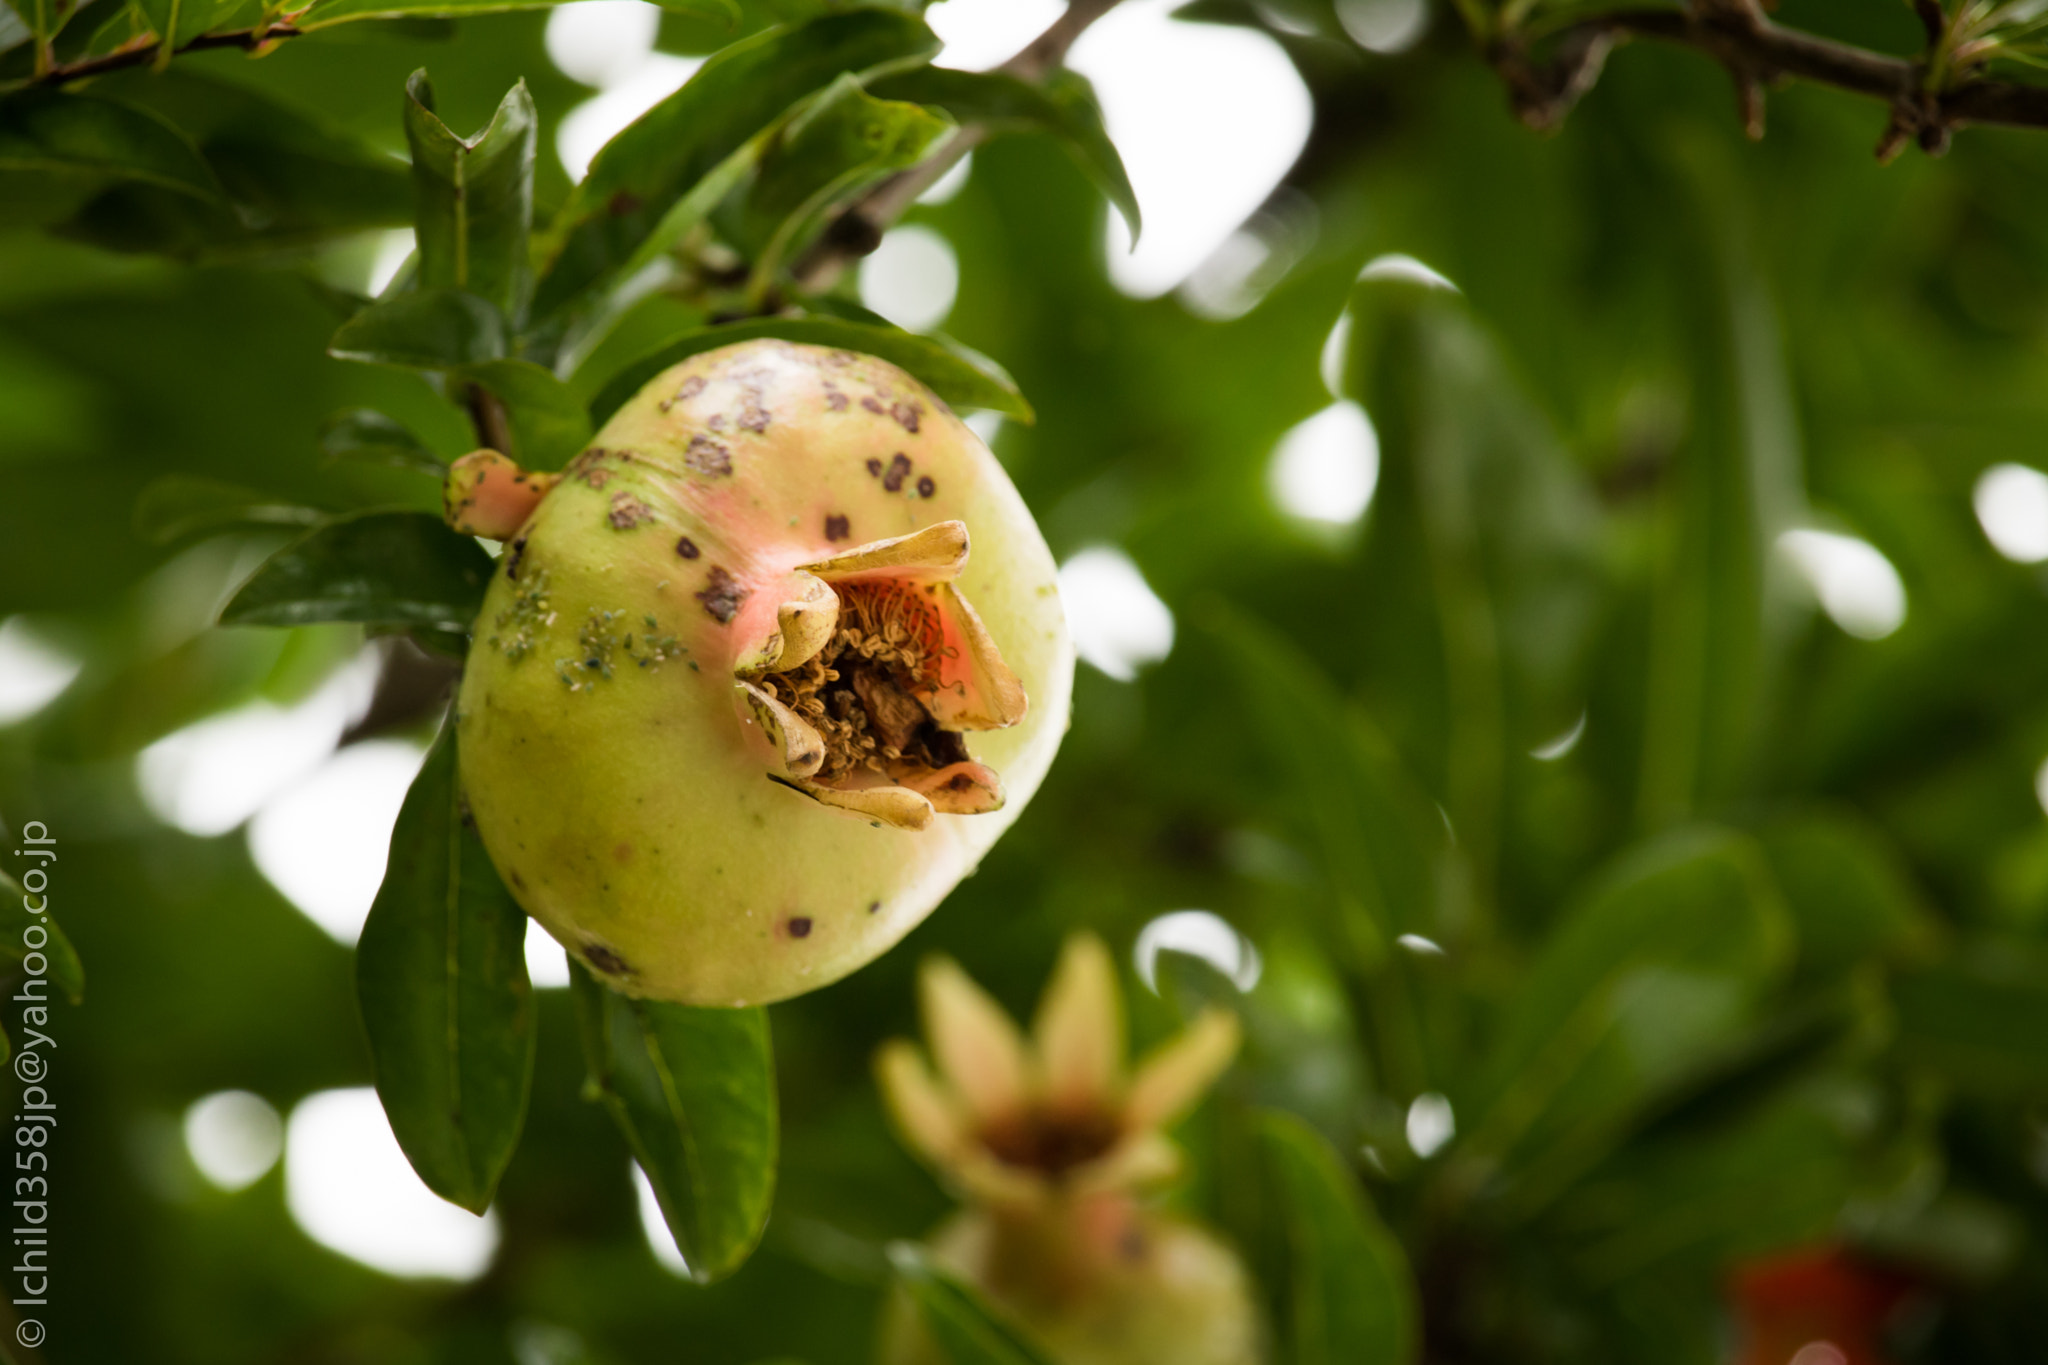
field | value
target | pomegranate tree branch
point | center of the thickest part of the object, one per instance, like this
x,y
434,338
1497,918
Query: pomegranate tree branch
x,y
247,39
1758,53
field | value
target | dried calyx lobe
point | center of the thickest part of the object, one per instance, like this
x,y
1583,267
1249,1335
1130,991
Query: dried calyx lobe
x,y
862,691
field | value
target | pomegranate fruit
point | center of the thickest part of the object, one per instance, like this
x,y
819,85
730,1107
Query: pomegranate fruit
x,y
761,675
1051,1146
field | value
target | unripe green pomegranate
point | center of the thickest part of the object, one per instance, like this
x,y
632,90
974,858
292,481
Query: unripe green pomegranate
x,y
761,676
1051,1146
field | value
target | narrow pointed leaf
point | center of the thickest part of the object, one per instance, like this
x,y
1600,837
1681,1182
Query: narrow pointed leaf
x,y
332,12
693,1091
289,178
1064,107
179,505
441,975
65,968
180,21
382,568
968,1331
1978,1019
1657,969
371,437
474,198
87,140
842,141
1379,836
963,378
743,90
1350,1295
434,329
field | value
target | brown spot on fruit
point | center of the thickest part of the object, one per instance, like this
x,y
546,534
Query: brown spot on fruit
x,y
707,457
628,512
623,852
926,486
605,960
692,386
722,596
515,557
873,404
754,417
875,468
835,400
906,415
874,907
800,927
589,467
837,527
899,470
687,548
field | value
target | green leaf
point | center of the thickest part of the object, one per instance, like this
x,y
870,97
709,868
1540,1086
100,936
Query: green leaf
x,y
1380,838
67,971
180,21
328,13
125,24
1712,1196
179,505
1476,590
1659,965
1978,1020
290,179
1850,898
382,568
1064,106
548,423
963,378
474,199
371,437
441,975
1350,1296
842,141
1719,646
82,139
740,92
435,329
968,1331
693,1090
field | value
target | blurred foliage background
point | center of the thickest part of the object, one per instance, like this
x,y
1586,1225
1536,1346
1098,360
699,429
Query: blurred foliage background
x,y
1693,876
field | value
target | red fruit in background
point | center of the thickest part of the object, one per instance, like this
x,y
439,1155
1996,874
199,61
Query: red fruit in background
x,y
1819,1306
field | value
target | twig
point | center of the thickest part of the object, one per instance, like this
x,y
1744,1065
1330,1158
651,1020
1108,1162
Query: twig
x,y
488,416
1757,52
857,229
248,39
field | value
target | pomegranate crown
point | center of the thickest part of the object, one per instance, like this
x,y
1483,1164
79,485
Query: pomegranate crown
x,y
1016,1122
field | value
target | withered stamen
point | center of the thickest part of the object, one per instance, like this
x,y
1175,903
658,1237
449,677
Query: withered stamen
x,y
863,692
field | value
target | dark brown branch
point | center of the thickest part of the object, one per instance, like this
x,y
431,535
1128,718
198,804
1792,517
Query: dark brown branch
x,y
247,39
1756,53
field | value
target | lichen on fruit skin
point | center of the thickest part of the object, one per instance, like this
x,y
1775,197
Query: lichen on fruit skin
x,y
520,621
729,565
